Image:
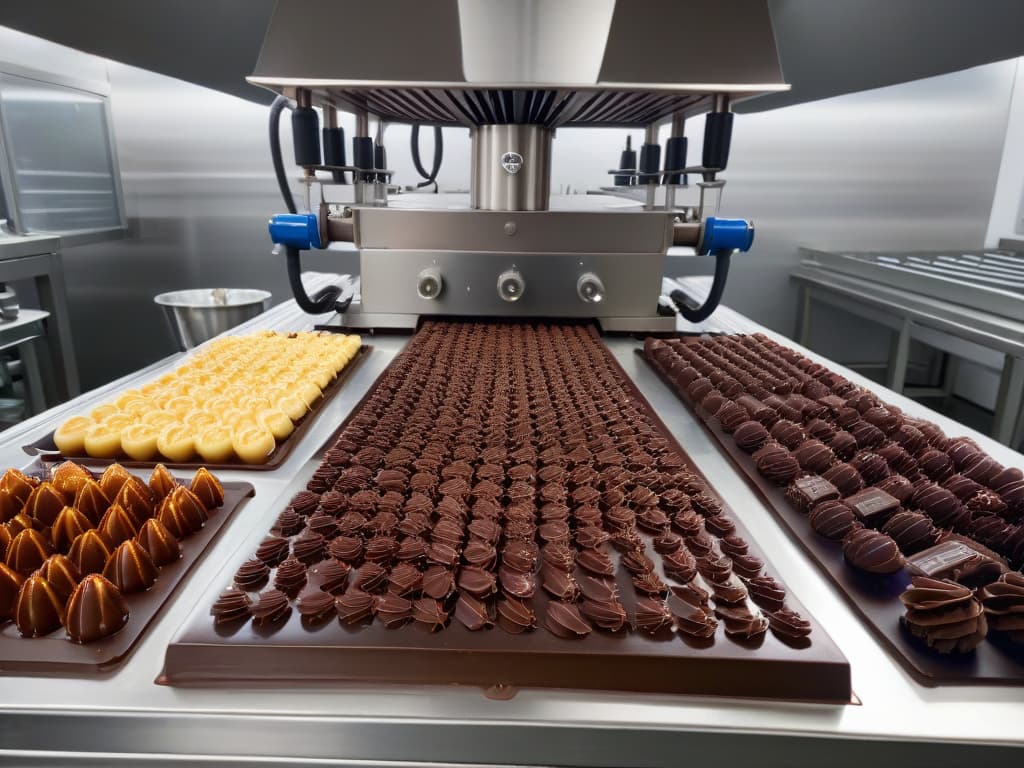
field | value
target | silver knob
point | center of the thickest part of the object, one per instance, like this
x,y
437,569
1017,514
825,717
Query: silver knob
x,y
589,288
429,283
511,285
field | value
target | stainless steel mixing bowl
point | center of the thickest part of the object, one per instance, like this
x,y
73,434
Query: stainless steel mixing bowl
x,y
200,314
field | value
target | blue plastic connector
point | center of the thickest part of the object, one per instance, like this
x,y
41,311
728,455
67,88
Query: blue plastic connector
x,y
726,235
295,230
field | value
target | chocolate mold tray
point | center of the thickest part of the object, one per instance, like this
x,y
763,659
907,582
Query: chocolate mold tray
x,y
47,450
875,598
296,650
55,654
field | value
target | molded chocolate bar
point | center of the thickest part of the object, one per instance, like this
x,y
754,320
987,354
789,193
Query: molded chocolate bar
x,y
504,510
877,497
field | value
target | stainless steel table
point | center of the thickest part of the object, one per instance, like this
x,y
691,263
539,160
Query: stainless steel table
x,y
22,333
37,258
934,319
126,719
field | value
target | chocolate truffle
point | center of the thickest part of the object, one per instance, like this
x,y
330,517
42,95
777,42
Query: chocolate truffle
x,y
845,477
872,551
911,530
788,433
871,466
232,605
750,436
832,519
814,456
843,445
776,464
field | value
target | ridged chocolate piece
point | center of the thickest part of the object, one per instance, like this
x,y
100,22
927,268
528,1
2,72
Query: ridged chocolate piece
x,y
112,479
91,501
10,584
833,519
68,477
117,525
161,482
181,512
90,552
38,609
271,608
776,464
68,526
130,568
564,620
946,615
232,605
515,616
160,543
96,609
62,575
44,504
207,489
27,551
354,607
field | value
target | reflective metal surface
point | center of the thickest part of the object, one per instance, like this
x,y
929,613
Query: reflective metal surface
x,y
199,314
511,167
126,719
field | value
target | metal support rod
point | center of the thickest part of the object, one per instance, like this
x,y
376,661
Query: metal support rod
x,y
330,115
303,98
651,134
678,124
362,123
1008,401
896,376
720,102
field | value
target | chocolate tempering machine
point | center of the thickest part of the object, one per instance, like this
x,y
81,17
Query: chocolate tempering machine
x,y
514,73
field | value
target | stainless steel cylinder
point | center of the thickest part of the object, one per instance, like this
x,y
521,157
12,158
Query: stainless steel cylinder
x,y
511,168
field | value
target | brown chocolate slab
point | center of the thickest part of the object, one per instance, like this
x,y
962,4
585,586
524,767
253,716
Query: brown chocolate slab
x,y
54,654
874,598
296,651
46,450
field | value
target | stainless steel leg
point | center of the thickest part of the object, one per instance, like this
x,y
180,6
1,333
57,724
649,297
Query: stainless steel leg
x,y
949,374
803,316
896,376
32,377
1008,402
53,298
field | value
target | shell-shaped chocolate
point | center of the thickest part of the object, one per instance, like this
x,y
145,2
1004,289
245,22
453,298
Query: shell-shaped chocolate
x,y
97,609
130,568
90,552
69,525
354,607
207,488
44,503
91,501
38,609
161,482
27,551
159,542
62,574
946,615
233,605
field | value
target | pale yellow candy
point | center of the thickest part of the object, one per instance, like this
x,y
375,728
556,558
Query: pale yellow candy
x,y
139,441
118,421
70,436
254,403
179,405
103,442
127,396
135,406
230,417
198,420
159,419
176,442
103,412
294,407
308,392
214,444
276,421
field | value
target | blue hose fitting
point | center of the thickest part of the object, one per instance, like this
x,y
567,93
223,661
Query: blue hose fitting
x,y
725,235
295,230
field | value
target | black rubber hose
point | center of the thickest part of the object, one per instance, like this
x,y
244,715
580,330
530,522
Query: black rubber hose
x,y
430,178
703,312
280,104
323,301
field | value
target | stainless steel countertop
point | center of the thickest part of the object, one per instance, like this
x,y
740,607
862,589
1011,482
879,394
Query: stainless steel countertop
x,y
90,722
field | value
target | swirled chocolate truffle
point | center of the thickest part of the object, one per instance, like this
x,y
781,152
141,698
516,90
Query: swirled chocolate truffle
x,y
912,531
767,593
845,477
776,464
946,615
935,464
871,466
867,435
730,415
832,519
911,438
872,551
814,456
1003,601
